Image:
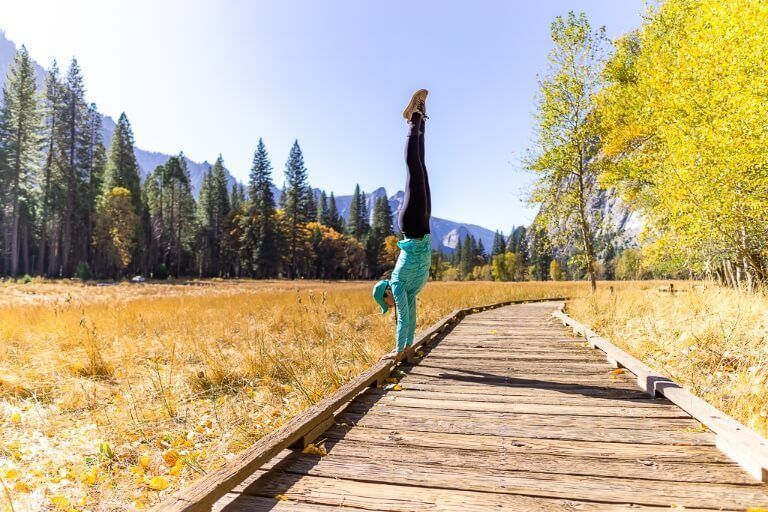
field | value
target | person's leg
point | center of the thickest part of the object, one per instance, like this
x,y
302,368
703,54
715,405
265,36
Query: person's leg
x,y
424,168
413,217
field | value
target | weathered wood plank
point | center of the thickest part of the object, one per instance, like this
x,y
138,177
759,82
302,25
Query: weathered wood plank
x,y
541,379
518,387
246,503
380,497
563,486
645,468
532,397
692,454
507,420
564,431
629,410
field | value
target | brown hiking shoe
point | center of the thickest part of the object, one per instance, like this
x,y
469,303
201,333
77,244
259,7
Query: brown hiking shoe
x,y
417,104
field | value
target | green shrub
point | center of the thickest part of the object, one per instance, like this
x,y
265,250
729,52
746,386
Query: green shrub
x,y
161,272
83,271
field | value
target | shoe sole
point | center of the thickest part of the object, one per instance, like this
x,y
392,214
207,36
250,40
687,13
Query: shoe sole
x,y
421,94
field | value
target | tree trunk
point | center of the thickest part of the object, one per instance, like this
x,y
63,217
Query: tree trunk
x,y
585,231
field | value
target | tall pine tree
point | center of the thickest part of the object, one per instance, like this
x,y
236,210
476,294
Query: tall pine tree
x,y
74,118
296,211
322,210
213,214
122,169
50,184
19,148
380,230
335,221
260,243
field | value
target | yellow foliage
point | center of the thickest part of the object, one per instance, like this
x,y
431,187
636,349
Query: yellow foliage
x,y
683,131
313,449
158,483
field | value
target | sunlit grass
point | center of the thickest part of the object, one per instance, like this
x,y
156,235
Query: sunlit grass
x,y
713,340
112,397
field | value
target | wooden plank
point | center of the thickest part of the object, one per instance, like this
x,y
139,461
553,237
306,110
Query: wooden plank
x,y
519,388
542,430
645,468
505,420
246,503
379,497
524,367
692,454
544,380
399,399
532,397
744,445
620,489
444,354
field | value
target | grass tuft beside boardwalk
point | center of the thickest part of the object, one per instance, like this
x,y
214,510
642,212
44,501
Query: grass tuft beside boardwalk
x,y
711,339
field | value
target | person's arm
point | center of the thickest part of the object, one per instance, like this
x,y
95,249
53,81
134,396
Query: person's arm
x,y
411,320
403,310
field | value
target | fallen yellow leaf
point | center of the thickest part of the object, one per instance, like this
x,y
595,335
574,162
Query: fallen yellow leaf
x,y
144,461
60,502
158,483
313,449
22,487
170,457
176,469
90,477
16,417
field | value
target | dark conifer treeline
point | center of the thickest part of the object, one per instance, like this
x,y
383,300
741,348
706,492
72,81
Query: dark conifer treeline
x,y
71,207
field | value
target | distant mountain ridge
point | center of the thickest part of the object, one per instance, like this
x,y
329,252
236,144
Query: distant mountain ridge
x,y
445,233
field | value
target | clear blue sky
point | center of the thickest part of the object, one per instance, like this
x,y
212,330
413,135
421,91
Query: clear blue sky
x,y
211,77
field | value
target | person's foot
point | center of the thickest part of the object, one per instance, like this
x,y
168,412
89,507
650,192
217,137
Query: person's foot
x,y
416,105
391,355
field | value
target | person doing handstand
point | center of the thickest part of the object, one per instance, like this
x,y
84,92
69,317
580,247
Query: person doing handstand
x,y
412,268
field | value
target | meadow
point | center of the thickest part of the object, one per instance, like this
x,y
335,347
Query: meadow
x,y
113,397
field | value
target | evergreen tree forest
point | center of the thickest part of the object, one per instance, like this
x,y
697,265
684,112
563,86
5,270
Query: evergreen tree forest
x,y
73,205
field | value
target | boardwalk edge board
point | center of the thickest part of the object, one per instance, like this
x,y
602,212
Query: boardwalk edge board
x,y
745,446
303,428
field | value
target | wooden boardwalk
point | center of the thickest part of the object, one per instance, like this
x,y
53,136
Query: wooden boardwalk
x,y
508,412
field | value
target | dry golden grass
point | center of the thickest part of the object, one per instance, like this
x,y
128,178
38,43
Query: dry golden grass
x,y
713,340
112,397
